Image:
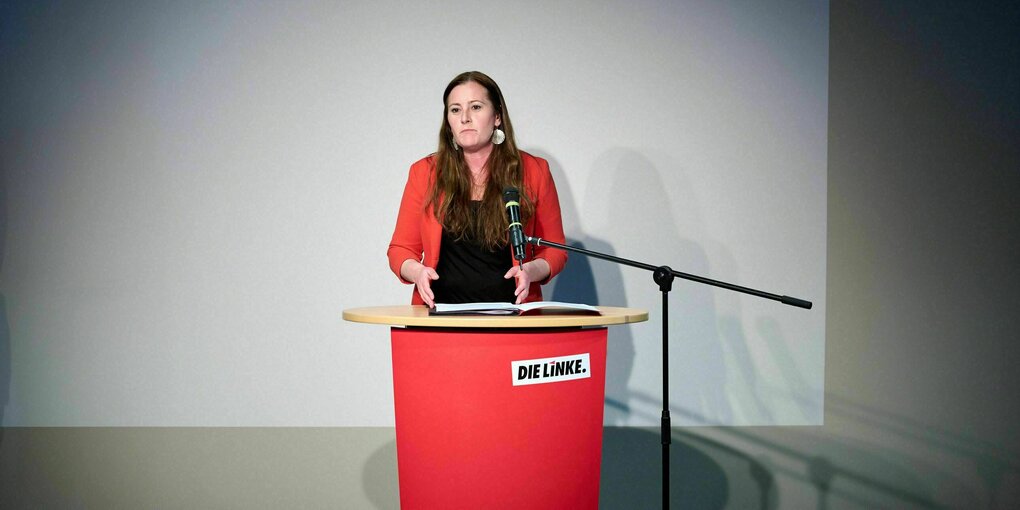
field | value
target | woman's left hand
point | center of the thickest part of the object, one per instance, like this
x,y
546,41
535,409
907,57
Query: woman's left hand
x,y
533,271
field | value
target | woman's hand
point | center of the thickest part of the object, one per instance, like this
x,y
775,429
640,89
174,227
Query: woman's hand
x,y
534,271
422,276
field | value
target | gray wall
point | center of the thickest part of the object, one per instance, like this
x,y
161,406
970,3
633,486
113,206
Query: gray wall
x,y
196,190
922,331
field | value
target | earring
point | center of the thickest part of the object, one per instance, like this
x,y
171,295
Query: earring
x,y
498,136
453,141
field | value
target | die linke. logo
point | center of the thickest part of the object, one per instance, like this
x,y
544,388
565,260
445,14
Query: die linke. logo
x,y
547,370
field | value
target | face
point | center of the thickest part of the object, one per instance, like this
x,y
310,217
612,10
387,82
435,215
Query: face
x,y
471,115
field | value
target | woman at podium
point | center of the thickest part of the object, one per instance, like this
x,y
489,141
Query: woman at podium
x,y
450,239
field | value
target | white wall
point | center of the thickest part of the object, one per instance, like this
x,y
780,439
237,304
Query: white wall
x,y
192,194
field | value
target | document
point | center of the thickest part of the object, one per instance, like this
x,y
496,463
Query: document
x,y
510,308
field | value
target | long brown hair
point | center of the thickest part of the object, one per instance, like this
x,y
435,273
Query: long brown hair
x,y
450,192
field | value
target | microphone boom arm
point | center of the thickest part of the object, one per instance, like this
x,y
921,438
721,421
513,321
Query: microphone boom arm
x,y
786,300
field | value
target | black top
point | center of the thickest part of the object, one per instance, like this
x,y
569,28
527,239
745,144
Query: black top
x,y
469,272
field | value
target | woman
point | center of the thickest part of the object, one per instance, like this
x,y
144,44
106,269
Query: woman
x,y
453,201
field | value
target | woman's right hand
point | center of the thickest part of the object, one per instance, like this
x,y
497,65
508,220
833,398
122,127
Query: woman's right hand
x,y
422,276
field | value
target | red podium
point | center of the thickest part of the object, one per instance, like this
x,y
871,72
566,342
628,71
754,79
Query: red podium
x,y
498,411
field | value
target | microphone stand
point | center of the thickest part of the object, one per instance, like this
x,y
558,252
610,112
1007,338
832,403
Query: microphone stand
x,y
663,277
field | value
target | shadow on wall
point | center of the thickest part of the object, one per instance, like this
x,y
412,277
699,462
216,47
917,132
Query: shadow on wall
x,y
648,231
576,284
660,227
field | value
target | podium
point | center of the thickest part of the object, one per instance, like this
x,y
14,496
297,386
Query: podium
x,y
498,411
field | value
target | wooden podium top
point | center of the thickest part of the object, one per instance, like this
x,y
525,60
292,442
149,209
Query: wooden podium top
x,y
418,315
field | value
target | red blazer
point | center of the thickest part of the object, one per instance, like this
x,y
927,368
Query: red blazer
x,y
418,233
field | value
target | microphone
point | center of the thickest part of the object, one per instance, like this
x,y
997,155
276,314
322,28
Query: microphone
x,y
513,210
